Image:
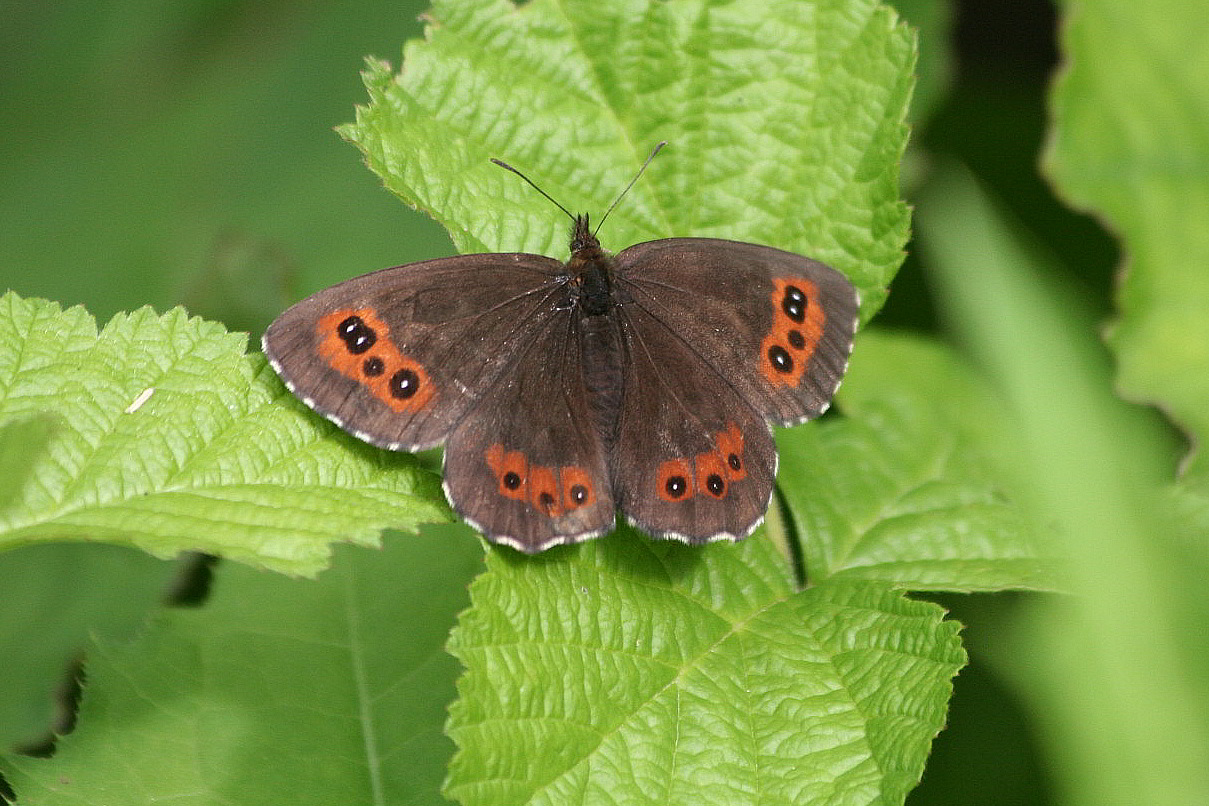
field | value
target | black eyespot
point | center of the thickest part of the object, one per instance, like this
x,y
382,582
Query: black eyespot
x,y
796,340
780,358
547,501
404,384
676,486
794,303
373,366
356,335
579,494
715,484
512,480
735,462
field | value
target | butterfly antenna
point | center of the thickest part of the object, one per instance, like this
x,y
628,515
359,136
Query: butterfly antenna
x,y
658,147
503,164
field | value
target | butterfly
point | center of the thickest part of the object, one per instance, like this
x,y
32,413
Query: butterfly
x,y
644,382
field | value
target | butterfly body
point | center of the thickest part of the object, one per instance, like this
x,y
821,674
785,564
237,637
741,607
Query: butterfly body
x,y
645,381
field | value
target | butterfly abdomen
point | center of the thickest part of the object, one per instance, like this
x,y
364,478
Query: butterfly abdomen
x,y
601,355
600,345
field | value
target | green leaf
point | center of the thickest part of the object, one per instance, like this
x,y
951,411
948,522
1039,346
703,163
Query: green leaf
x,y
167,437
20,442
785,121
1190,508
151,149
55,597
902,488
279,691
1115,674
658,673
1129,143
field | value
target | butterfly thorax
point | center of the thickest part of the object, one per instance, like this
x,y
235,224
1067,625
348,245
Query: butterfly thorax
x,y
590,266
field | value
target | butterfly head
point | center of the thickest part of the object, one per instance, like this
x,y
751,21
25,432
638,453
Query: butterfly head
x,y
583,240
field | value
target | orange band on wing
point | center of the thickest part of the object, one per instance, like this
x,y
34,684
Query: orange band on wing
x,y
511,471
711,474
674,480
356,343
544,494
798,319
552,491
708,473
730,448
578,490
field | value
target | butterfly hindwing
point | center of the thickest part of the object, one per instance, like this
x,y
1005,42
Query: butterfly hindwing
x,y
693,460
526,465
398,356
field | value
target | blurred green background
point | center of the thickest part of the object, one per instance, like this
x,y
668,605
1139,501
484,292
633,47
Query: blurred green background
x,y
170,152
182,152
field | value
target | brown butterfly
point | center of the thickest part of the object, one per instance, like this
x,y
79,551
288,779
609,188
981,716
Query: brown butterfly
x,y
644,382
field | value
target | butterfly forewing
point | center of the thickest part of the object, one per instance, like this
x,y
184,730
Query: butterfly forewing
x,y
398,356
776,325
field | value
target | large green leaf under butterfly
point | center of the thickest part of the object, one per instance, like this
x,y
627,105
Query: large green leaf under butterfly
x,y
785,124
160,432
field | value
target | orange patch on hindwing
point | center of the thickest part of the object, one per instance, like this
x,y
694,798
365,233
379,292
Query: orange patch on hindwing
x,y
674,480
578,490
797,327
552,491
709,473
511,470
356,343
544,495
730,448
